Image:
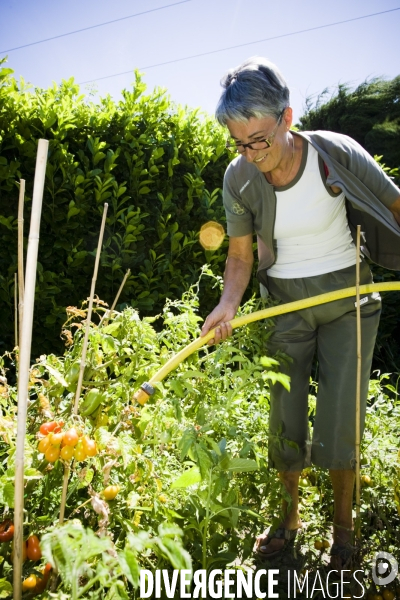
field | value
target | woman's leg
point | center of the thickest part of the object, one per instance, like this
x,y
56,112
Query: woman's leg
x,y
289,445
290,511
334,427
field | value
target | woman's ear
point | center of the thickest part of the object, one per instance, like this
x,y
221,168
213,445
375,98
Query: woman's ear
x,y
288,117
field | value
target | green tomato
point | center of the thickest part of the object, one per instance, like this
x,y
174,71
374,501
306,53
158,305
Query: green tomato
x,y
91,402
72,375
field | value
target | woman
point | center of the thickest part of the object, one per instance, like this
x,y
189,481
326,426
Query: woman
x,y
303,195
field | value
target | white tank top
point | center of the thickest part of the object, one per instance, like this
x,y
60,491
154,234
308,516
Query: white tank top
x,y
311,233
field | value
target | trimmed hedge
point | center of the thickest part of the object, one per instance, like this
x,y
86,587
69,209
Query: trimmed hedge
x,y
160,168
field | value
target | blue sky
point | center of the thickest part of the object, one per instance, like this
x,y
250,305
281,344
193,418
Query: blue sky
x,y
311,61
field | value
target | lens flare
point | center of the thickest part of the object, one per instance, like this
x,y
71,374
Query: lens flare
x,y
211,235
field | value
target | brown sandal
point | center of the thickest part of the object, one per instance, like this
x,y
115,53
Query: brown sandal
x,y
345,553
288,535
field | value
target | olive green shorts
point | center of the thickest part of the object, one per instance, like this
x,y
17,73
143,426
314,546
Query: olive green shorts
x,y
331,331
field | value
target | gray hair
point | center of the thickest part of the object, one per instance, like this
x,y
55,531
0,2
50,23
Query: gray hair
x,y
256,88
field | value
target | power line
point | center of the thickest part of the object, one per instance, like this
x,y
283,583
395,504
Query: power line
x,y
276,37
94,26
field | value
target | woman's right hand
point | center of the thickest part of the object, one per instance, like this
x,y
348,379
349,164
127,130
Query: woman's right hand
x,y
219,318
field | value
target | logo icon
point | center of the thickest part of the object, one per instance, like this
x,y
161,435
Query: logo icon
x,y
384,568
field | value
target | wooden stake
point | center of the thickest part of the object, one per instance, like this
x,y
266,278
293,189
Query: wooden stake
x,y
24,360
89,313
358,383
16,309
110,312
21,251
67,467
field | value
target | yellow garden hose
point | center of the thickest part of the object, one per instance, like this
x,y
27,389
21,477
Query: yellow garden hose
x,y
146,390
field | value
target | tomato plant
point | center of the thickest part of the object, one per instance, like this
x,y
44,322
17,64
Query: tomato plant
x,y
184,469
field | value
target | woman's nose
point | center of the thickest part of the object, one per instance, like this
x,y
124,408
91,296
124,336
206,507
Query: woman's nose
x,y
250,154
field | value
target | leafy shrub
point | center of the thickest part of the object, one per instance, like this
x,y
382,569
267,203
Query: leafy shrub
x,y
159,167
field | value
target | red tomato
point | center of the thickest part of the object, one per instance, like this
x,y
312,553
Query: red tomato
x,y
52,453
45,428
71,437
33,551
6,530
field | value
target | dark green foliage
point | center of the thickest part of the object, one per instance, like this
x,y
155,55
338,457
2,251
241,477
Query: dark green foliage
x,y
160,168
370,114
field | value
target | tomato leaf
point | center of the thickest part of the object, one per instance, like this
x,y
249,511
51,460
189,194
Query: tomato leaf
x,y
189,477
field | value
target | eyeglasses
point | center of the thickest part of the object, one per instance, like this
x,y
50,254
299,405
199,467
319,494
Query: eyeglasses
x,y
258,144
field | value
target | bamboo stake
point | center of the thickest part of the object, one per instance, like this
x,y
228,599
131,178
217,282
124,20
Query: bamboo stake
x,y
67,467
15,309
21,251
358,384
24,360
89,313
110,312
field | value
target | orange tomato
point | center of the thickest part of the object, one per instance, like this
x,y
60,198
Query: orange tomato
x,y
71,437
56,438
110,492
67,452
79,453
33,551
29,583
52,453
89,446
40,586
44,444
388,595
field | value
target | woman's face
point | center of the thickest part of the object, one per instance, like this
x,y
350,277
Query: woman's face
x,y
254,129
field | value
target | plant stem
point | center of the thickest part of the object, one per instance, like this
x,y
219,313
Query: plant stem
x,y
87,587
67,470
206,522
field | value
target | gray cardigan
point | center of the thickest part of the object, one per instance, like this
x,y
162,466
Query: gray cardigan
x,y
250,201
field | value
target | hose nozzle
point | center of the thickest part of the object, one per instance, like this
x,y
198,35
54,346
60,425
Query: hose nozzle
x,y
143,393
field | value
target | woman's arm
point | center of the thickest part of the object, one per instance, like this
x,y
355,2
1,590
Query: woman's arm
x,y
237,275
